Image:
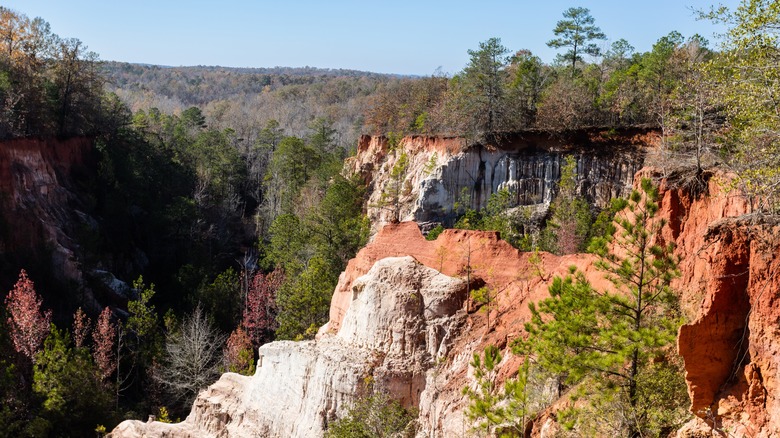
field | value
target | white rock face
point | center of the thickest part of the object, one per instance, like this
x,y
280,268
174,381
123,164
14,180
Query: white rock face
x,y
443,173
403,316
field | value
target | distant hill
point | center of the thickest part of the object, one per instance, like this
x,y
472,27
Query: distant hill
x,y
282,71
246,98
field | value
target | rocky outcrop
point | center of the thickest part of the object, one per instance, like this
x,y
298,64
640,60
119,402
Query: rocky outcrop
x,y
400,319
731,350
403,317
729,288
40,207
511,274
444,172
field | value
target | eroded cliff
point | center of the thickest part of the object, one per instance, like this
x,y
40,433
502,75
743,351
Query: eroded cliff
x,y
731,348
417,349
41,210
403,317
444,173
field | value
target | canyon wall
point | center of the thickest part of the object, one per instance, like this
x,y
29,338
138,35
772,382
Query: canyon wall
x,y
40,208
729,288
48,221
403,318
444,173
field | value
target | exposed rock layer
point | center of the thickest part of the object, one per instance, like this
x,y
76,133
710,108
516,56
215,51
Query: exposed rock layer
x,y
39,205
403,316
418,349
731,350
443,172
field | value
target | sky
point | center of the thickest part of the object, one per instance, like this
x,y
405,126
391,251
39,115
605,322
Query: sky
x,y
402,37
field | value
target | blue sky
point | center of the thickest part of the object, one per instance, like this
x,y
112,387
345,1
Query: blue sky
x,y
406,37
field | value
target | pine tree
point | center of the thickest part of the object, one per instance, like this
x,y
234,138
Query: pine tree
x,y
304,303
484,400
66,380
142,325
503,411
607,340
576,31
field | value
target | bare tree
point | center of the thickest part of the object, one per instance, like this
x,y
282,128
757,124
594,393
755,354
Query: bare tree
x,y
193,358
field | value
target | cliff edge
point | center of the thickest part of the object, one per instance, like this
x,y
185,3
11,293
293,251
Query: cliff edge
x,y
444,174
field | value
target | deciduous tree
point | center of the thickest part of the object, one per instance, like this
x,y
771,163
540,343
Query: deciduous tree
x,y
659,76
531,77
747,83
260,310
696,115
571,217
239,355
81,328
104,340
375,415
192,359
28,324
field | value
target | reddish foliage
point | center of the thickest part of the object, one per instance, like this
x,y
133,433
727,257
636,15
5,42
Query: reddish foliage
x,y
239,356
568,240
260,309
81,325
28,325
103,338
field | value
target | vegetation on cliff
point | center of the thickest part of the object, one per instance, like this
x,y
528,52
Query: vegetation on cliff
x,y
607,351
238,214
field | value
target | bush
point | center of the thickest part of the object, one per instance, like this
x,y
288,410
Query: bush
x,y
374,416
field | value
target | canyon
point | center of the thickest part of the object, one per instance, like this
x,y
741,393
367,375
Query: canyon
x,y
401,318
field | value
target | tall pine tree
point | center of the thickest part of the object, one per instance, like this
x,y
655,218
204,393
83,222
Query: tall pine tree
x,y
608,342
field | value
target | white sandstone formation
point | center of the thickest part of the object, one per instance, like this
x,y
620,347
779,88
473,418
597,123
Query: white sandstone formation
x,y
402,318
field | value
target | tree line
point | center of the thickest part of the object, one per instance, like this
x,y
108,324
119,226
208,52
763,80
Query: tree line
x,y
48,85
609,352
501,90
247,99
